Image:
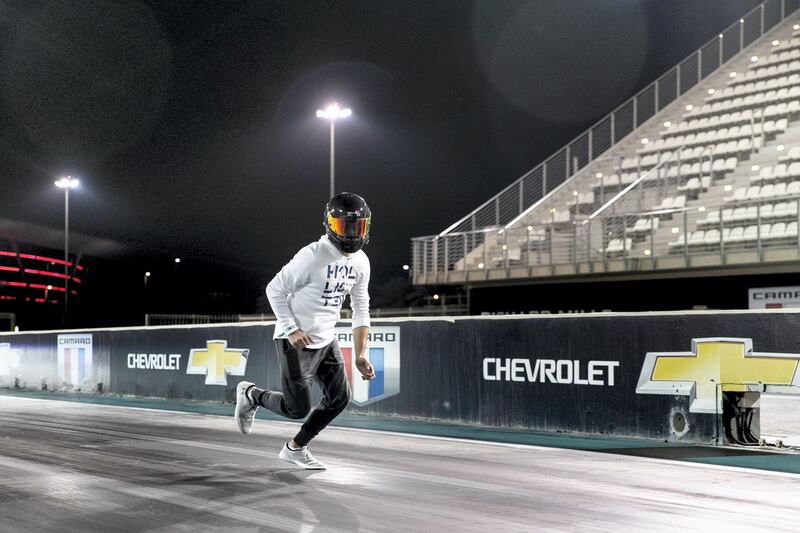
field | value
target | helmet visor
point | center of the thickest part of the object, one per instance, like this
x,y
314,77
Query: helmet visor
x,y
343,227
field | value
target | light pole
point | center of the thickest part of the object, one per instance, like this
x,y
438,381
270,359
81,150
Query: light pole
x,y
66,183
332,113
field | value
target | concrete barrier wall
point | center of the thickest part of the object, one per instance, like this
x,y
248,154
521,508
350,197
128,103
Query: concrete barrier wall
x,y
583,373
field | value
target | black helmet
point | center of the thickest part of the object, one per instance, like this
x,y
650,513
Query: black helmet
x,y
347,218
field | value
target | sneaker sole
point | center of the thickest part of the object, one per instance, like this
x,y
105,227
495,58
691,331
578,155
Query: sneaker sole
x,y
241,388
301,465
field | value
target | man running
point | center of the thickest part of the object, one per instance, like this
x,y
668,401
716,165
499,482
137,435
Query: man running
x,y
306,297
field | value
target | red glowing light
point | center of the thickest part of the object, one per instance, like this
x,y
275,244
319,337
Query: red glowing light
x,y
44,287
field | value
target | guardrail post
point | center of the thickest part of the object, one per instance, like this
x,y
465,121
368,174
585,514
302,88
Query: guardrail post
x,y
758,234
446,257
521,195
604,242
652,242
678,83
505,253
568,162
544,179
655,103
485,255
575,246
741,35
528,249
625,253
783,16
590,145
635,112
474,235
685,239
465,256
700,65
720,40
722,257
762,21
613,128
436,257
497,210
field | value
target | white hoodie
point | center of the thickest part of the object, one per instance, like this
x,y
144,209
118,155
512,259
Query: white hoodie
x,y
309,291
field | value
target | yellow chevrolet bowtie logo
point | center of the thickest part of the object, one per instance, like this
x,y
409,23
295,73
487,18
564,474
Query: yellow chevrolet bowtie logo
x,y
715,365
217,361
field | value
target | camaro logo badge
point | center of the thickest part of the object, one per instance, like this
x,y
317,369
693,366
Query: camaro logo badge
x,y
75,358
715,365
384,355
216,362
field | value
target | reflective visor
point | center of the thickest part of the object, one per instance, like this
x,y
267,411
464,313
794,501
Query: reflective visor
x,y
348,228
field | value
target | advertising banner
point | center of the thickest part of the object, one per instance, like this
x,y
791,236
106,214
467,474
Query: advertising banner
x,y
201,363
774,297
650,375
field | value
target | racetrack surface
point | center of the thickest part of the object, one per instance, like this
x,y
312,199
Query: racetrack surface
x,y
67,466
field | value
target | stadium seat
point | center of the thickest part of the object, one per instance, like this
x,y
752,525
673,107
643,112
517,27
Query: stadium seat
x,y
739,194
666,203
764,175
779,171
697,238
750,233
739,214
692,185
712,218
736,235
778,231
792,155
680,242
616,246
711,237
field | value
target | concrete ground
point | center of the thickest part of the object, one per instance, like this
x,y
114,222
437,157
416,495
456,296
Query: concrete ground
x,y
67,466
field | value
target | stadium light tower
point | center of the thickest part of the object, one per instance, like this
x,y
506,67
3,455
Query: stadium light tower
x,y
333,113
66,183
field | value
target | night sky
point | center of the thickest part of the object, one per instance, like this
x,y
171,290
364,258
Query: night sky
x,y
191,123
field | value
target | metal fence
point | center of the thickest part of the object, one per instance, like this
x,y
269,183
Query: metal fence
x,y
435,254
629,240
161,319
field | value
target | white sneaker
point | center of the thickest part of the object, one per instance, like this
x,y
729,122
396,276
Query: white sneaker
x,y
301,458
245,412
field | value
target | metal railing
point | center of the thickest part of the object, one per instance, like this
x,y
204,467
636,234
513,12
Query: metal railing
x,y
429,253
658,239
163,319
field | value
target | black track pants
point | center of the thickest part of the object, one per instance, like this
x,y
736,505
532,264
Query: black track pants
x,y
298,370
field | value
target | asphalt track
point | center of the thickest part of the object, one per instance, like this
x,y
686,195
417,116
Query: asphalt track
x,y
68,466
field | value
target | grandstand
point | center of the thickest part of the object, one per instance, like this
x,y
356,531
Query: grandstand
x,y
699,170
